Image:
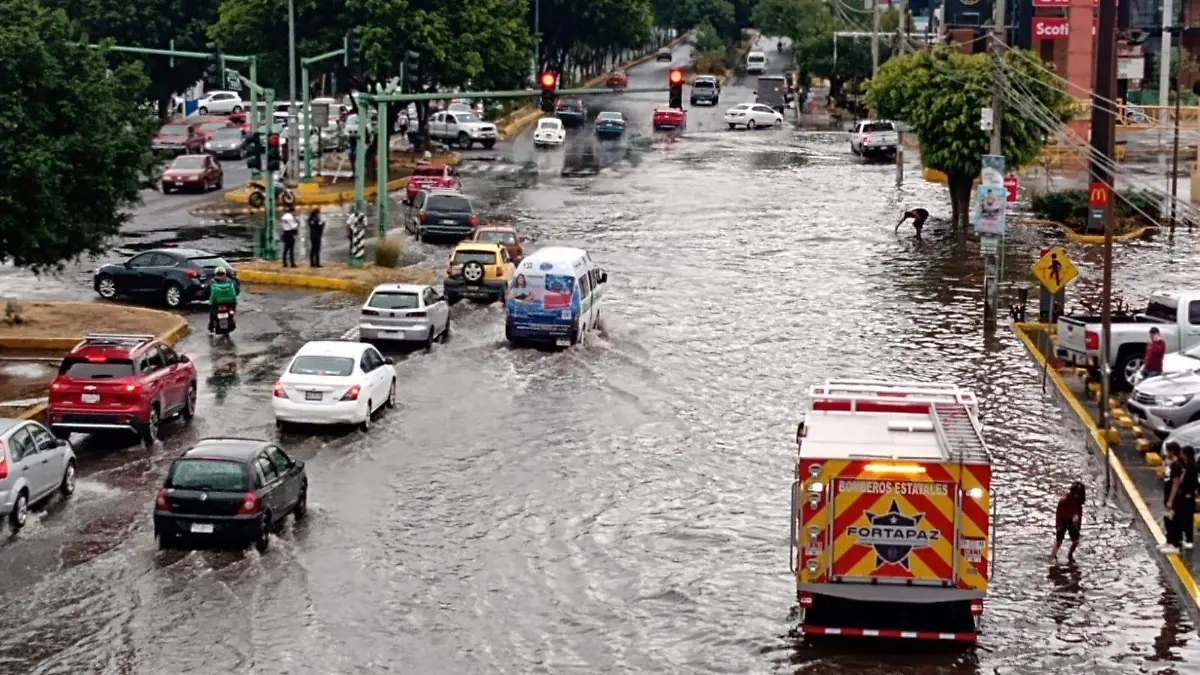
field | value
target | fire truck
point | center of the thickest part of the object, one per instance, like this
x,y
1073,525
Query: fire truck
x,y
892,512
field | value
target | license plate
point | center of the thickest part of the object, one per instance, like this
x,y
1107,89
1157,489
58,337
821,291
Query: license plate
x,y
562,342
202,528
223,315
447,222
390,334
179,182
312,396
91,398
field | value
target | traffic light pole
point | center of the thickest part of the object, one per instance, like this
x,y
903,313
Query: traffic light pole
x,y
307,104
264,242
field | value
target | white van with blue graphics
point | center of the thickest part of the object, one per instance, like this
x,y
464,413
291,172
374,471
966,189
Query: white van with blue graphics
x,y
554,297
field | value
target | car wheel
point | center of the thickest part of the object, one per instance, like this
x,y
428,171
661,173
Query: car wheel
x,y
446,331
236,109
489,144
106,287
452,299
173,295
202,110
257,200
429,340
391,399
778,122
166,190
189,404
750,125
289,198
263,541
67,486
732,126
366,423
1129,362
300,510
221,182
150,428
20,510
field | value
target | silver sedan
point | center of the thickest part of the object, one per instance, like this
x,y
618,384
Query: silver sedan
x,y
404,313
33,465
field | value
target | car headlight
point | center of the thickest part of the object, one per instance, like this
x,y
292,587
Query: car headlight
x,y
1171,401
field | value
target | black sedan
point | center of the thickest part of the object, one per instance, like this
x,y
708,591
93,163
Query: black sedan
x,y
173,276
234,490
571,111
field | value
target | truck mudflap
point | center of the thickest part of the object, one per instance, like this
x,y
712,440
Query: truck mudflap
x,y
889,634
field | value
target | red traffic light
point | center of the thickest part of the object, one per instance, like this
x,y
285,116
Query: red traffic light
x,y
273,139
676,76
548,80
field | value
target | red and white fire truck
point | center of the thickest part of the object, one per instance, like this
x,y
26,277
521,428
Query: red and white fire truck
x,y
891,511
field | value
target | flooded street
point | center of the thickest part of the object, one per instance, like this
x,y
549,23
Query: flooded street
x,y
621,506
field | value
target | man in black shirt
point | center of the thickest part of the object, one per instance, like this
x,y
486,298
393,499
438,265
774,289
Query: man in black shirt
x,y
919,216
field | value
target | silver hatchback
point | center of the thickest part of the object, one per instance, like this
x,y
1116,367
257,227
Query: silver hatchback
x,y
404,313
33,464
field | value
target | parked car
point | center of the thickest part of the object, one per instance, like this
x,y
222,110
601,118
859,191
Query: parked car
x,y
617,79
207,129
549,132
663,54
572,111
706,89
441,213
178,138
33,465
874,137
504,235
222,102
227,142
229,489
609,124
752,116
193,172
478,270
669,118
431,176
404,313
462,128
174,276
126,383
1163,404
334,383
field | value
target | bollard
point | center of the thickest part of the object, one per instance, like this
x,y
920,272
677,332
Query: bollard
x,y
1143,445
356,226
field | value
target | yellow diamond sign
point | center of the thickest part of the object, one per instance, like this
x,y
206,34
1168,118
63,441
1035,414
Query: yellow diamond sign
x,y
1055,270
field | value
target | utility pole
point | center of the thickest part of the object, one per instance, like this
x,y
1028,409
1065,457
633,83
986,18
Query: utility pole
x,y
874,38
1103,133
998,39
1164,81
993,254
293,127
1178,29
902,47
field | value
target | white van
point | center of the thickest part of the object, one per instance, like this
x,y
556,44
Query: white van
x,y
756,63
554,296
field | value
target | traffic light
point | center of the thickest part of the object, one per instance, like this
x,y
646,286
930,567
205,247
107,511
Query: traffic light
x,y
350,44
412,66
273,155
549,82
676,97
213,73
254,150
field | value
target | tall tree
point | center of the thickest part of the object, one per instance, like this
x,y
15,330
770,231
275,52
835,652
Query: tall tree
x,y
571,26
153,24
940,92
75,139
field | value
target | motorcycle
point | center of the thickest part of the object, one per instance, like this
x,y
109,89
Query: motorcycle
x,y
225,323
779,46
258,198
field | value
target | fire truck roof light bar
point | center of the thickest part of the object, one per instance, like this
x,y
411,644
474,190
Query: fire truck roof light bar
x,y
907,469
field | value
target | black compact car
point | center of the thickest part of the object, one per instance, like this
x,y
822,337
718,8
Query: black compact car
x,y
441,213
173,276
571,111
235,490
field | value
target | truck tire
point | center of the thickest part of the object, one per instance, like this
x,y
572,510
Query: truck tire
x,y
464,141
1129,360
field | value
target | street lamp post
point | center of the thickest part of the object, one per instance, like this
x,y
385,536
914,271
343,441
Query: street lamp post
x,y
293,128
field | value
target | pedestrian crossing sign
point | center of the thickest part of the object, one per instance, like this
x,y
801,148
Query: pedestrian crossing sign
x,y
1055,270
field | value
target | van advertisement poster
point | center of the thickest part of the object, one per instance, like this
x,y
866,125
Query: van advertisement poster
x,y
534,294
991,197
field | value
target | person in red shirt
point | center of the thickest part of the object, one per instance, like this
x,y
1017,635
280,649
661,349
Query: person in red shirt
x,y
1156,349
1067,519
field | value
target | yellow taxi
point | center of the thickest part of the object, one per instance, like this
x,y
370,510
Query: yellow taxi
x,y
479,270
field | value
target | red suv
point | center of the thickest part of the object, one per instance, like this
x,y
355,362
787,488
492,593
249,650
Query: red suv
x,y
121,383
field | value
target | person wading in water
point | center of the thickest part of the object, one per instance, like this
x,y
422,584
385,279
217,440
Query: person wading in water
x,y
919,216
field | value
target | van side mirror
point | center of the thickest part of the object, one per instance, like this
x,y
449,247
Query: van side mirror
x,y
604,277
387,360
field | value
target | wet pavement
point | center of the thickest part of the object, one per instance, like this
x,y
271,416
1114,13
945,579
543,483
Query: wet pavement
x,y
622,506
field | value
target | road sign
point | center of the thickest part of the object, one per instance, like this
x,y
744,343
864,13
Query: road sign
x,y
1012,184
232,81
1098,194
989,244
1055,270
320,115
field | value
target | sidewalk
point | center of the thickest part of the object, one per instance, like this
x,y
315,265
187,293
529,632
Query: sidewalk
x,y
1133,456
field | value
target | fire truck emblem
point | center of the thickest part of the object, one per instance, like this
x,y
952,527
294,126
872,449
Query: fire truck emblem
x,y
894,535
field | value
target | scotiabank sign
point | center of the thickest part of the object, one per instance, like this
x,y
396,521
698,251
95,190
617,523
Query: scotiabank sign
x,y
1051,28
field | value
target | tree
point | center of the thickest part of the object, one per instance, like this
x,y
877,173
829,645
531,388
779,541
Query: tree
x,y
570,29
940,92
153,24
74,138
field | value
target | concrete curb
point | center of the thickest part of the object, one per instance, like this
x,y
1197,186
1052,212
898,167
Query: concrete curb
x,y
524,116
223,211
1085,238
1186,583
300,280
242,195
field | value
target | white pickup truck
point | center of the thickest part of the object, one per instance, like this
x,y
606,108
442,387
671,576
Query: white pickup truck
x,y
1176,314
874,137
461,128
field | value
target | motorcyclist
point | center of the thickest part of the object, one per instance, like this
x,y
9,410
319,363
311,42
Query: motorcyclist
x,y
222,292
779,46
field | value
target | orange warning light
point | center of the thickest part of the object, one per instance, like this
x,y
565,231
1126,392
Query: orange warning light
x,y
676,76
548,80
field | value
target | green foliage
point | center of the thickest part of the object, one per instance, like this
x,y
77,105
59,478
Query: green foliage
x,y
1071,206
75,141
705,38
387,252
581,26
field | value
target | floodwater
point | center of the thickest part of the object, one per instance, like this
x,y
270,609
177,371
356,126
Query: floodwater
x,y
621,506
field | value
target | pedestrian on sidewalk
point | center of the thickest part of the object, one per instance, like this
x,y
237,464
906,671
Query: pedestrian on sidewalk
x,y
1186,503
1173,498
1068,518
1156,349
289,228
316,230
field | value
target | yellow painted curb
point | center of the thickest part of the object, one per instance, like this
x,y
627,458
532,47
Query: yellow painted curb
x,y
1084,238
35,411
299,280
1113,403
1125,422
1114,436
1153,459
1114,461
178,329
242,195
1143,445
1138,433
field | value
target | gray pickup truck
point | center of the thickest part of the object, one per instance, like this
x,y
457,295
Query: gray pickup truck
x,y
706,89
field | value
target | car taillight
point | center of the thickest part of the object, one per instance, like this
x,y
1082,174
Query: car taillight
x,y
133,388
3,462
423,216
416,315
192,274
160,502
249,505
1091,340
473,221
277,390
352,393
866,139
57,386
370,312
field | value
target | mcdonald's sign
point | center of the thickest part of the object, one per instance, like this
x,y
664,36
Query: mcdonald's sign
x,y
1098,194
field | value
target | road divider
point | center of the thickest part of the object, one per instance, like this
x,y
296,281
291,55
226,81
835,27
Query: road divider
x,y
1136,478
325,195
331,276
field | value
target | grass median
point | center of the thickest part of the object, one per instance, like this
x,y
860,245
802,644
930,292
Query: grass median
x,y
352,278
74,320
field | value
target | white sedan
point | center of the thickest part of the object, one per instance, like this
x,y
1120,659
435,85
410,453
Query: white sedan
x,y
334,383
752,115
549,131
220,102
